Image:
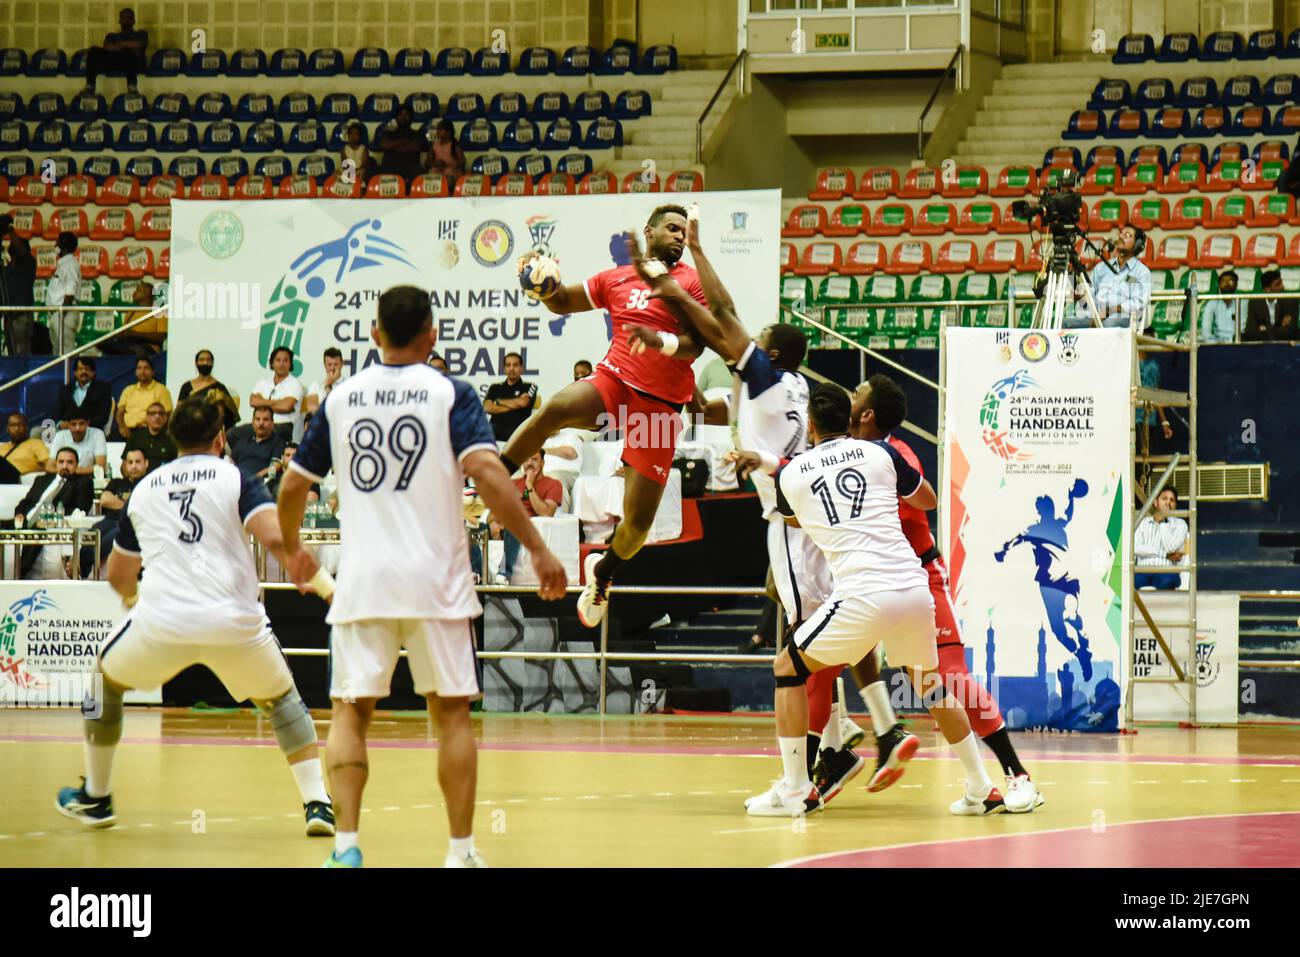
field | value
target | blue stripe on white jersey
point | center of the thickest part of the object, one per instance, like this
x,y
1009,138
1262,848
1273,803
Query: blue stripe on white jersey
x,y
773,415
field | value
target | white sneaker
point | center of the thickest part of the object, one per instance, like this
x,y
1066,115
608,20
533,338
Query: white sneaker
x,y
592,603
851,733
472,859
501,579
781,801
969,805
1023,795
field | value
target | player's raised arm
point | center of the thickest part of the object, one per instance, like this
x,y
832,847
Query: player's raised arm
x,y
539,276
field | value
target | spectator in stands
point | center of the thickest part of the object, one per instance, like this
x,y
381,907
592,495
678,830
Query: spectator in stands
x,y
153,439
213,389
17,283
84,439
438,362
1124,294
445,155
86,396
509,403
258,451
1272,319
321,388
541,496
135,400
62,487
356,153
282,393
715,375
123,50
111,503
581,369
63,289
150,335
403,148
23,454
1221,318
1160,540
281,466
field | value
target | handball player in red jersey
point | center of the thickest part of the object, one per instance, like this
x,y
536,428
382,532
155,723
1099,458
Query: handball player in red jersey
x,y
642,394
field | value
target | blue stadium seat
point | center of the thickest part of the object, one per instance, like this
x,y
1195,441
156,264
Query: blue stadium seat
x,y
264,137
1292,49
1178,48
1169,123
507,106
212,106
45,106
1280,90
230,168
338,106
11,107
169,106
1240,90
1223,45
178,136
127,107
1105,154
478,135
208,63
1197,91
562,134
47,62
1190,152
339,134
657,59
602,134
246,62
144,168
491,165
1154,93
535,165
465,106
372,61
1127,124
1250,121
536,61
93,136
590,105
550,105
295,107
1110,94
453,61
617,60
631,105
87,107
13,62
14,168
274,168
326,61
1210,121
306,137
100,167
423,106
1231,147
187,168
412,61
577,61
63,166
52,135
1134,48
254,106
379,107
320,166
13,135
287,62
576,165
1262,45
1283,151
167,62
77,64
487,62
1085,125
521,136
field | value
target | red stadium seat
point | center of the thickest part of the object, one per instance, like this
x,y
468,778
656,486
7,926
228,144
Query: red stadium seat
x,y
847,219
1219,249
131,262
113,224
1014,181
789,257
1002,255
162,268
514,184
891,219
162,190
934,219
1107,214
919,183
1230,212
46,259
481,185
865,257
978,218
28,222
31,191
964,181
73,221
1225,175
209,187
430,185
1101,178
1141,178
1174,252
818,259
1050,176
301,186
1292,257
1185,177
1274,210
556,184
4,190
75,191
956,255
1150,213
337,187
254,186
1263,250
638,182
1264,175
1189,212
119,191
596,183
878,182
834,183
684,181
804,220
93,260
155,224
385,186
910,257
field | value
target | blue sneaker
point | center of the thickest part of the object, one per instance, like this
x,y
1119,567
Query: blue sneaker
x,y
351,858
320,818
80,806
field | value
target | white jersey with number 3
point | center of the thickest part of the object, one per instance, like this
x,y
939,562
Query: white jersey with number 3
x,y
395,436
845,494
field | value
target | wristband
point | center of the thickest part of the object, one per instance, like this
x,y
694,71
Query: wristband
x,y
322,583
670,343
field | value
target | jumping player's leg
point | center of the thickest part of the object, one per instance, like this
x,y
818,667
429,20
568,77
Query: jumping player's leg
x,y
576,406
641,497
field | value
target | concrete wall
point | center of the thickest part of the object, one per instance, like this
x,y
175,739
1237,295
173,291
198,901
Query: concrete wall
x,y
695,27
752,149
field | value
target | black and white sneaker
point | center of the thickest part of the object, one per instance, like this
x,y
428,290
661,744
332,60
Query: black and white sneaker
x,y
80,806
834,769
320,818
894,748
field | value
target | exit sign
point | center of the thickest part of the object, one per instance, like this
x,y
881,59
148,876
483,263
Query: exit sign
x,y
831,41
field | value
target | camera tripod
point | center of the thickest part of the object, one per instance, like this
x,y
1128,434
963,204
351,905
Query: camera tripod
x,y
1063,273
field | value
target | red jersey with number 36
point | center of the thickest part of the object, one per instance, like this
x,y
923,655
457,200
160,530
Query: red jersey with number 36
x,y
621,292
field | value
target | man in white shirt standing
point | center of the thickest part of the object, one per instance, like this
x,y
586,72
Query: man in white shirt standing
x,y
63,289
1160,540
83,438
321,388
283,394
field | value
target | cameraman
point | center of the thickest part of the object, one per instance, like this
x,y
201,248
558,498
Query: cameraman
x,y
1124,294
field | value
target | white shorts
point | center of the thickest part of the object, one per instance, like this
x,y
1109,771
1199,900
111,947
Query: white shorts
x,y
848,627
440,652
254,667
799,570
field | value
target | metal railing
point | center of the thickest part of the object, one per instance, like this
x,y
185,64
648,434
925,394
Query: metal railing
x,y
699,124
73,353
953,64
76,537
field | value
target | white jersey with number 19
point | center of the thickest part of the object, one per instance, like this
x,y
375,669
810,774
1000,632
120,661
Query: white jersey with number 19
x,y
396,435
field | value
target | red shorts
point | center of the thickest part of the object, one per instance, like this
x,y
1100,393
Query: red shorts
x,y
981,708
650,426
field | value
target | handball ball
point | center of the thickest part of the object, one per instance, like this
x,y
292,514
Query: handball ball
x,y
540,277
1080,488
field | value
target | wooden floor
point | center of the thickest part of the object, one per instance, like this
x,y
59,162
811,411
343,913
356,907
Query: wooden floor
x,y
211,789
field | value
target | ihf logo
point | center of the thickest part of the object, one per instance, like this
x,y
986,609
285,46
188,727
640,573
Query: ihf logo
x,y
1207,670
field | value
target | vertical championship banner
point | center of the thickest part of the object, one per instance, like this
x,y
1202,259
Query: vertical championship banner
x,y
249,276
1037,518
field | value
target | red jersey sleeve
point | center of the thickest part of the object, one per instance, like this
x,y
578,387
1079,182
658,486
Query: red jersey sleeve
x,y
597,289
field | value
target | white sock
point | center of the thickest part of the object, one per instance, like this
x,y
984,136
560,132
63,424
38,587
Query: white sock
x,y
311,780
794,761
462,846
99,769
882,712
344,840
968,752
831,737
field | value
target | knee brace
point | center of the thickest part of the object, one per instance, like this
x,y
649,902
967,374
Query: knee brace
x,y
103,714
291,722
